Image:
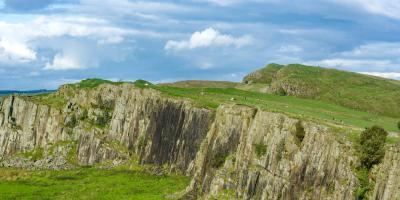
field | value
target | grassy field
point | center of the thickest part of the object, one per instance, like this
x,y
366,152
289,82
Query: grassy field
x,y
88,183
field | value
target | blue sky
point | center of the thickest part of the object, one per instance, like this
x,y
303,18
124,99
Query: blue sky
x,y
45,43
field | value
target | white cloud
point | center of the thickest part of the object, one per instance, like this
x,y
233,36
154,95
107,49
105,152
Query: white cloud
x,y
208,37
64,62
15,52
378,56
348,62
388,8
391,75
18,39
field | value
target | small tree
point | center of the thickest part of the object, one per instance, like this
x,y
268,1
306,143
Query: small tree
x,y
372,146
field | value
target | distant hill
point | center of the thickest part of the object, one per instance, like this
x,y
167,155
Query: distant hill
x,y
358,91
7,92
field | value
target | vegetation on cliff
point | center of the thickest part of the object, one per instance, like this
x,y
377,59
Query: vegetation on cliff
x,y
371,150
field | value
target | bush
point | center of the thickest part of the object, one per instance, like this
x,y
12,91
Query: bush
x,y
364,186
300,133
372,146
261,149
281,92
219,159
84,115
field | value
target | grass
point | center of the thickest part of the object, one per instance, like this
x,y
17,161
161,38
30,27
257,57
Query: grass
x,y
296,107
87,183
50,99
202,84
357,91
91,83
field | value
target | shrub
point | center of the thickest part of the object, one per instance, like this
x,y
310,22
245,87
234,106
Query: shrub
x,y
84,115
261,149
281,92
300,133
372,146
218,159
365,185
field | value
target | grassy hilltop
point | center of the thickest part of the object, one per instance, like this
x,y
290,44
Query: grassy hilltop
x,y
353,90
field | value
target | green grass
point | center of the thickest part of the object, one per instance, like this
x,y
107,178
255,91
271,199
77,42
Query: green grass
x,y
264,75
296,107
50,99
87,183
362,92
91,83
202,84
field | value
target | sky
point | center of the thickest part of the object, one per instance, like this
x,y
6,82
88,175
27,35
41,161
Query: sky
x,y
46,43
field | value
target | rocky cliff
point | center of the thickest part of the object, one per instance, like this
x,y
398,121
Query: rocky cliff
x,y
235,152
387,176
107,124
271,156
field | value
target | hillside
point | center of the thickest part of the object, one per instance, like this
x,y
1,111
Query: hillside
x,y
201,84
353,90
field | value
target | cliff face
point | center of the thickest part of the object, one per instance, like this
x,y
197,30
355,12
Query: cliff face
x,y
250,154
387,176
109,123
236,152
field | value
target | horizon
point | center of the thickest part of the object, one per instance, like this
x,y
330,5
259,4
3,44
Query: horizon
x,y
132,81
47,43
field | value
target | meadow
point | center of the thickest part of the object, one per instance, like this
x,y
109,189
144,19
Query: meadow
x,y
88,183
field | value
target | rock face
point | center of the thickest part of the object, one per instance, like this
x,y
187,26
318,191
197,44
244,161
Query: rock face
x,y
387,176
250,154
106,124
235,152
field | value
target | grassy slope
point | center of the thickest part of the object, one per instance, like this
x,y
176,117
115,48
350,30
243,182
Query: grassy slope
x,y
87,184
362,92
264,75
296,107
202,84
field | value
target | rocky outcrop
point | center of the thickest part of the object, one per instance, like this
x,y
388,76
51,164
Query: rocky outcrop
x,y
387,176
253,154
